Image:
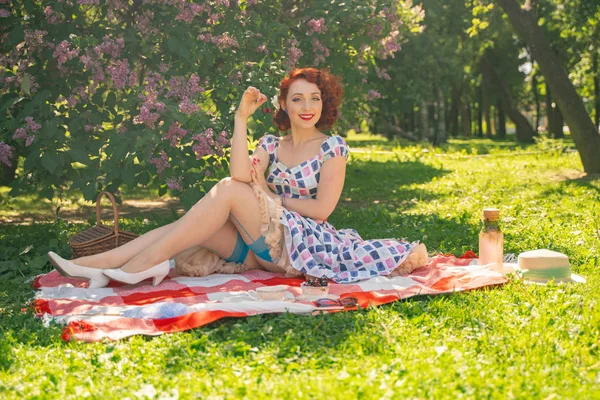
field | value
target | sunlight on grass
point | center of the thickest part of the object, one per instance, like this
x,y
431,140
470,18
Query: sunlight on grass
x,y
523,341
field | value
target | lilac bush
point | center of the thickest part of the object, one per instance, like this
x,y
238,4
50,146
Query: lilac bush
x,y
95,94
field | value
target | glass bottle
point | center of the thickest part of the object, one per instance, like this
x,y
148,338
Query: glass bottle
x,y
491,239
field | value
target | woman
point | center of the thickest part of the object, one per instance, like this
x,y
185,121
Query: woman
x,y
277,224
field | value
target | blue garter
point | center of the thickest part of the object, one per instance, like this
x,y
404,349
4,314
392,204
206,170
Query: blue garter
x,y
260,249
239,252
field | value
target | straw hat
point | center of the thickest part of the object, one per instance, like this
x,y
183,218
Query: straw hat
x,y
540,266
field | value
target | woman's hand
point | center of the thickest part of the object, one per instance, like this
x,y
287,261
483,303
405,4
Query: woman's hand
x,y
259,179
252,98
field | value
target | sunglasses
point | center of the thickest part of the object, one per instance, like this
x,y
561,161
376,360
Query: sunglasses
x,y
330,304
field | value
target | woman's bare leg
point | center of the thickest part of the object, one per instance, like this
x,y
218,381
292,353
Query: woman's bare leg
x,y
117,257
222,243
201,222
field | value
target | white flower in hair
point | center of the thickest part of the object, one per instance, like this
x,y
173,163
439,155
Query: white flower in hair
x,y
275,102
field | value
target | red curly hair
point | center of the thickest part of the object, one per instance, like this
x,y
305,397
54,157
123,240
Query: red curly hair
x,y
331,96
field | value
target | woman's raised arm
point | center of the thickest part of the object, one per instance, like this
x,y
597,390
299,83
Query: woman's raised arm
x,y
239,165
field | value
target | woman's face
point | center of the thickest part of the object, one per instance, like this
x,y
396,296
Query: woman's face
x,y
303,103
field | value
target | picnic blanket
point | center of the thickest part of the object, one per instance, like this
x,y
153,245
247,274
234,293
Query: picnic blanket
x,y
181,302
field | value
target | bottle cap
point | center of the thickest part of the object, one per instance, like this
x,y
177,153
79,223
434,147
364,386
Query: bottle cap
x,y
491,214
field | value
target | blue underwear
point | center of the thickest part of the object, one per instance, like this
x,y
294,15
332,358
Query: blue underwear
x,y
239,252
259,248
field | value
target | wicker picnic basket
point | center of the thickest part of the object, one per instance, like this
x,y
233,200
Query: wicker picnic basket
x,y
100,238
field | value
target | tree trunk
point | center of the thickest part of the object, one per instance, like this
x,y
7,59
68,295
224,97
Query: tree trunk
x,y
466,119
596,71
440,136
424,131
524,130
536,96
432,121
549,113
492,126
559,122
580,124
501,128
480,112
454,107
485,101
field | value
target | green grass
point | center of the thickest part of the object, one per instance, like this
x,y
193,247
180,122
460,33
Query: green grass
x,y
513,341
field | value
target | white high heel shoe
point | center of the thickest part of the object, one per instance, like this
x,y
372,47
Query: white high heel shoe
x,y
157,273
71,270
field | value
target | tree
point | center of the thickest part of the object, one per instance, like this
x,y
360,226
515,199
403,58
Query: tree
x,y
580,124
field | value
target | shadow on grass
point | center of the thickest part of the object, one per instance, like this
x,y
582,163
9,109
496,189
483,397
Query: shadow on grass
x,y
367,181
591,181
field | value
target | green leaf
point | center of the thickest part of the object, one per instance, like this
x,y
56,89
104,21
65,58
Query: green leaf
x,y
95,118
47,193
80,156
179,48
90,192
26,83
162,190
31,161
143,178
128,176
111,100
49,163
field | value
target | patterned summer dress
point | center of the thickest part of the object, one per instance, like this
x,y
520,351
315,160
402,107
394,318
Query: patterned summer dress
x,y
315,247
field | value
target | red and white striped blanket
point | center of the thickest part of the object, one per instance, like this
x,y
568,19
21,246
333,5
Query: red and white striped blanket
x,y
181,303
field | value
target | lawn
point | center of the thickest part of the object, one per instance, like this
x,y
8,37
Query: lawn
x,y
513,341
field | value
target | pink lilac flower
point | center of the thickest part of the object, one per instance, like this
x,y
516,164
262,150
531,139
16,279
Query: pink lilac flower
x,y
122,129
225,41
20,133
52,17
144,23
382,73
6,154
174,184
63,53
89,2
316,26
119,73
35,39
294,53
180,88
29,140
374,94
111,47
187,106
133,78
162,67
32,125
251,2
321,52
203,145
4,13
72,101
146,117
207,38
161,163
175,134
214,18
390,45
262,48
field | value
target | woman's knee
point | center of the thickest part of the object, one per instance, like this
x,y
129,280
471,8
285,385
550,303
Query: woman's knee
x,y
230,188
